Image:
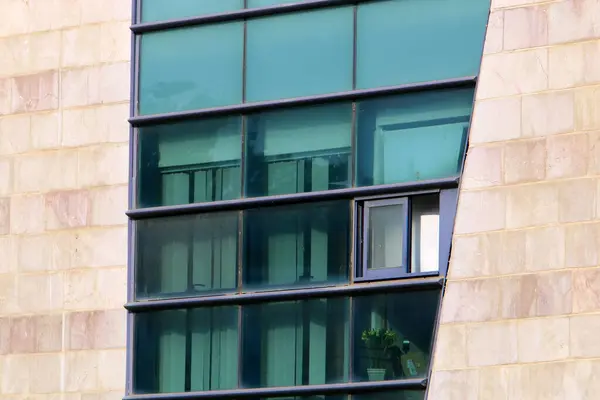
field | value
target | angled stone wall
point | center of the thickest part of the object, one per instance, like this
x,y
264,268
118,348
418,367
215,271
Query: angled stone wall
x,y
64,103
521,313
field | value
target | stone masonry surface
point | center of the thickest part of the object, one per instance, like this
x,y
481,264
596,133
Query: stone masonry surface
x,y
521,313
64,103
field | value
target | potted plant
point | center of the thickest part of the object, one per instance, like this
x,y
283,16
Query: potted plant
x,y
378,343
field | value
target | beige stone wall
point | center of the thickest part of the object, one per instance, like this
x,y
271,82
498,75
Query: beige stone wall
x,y
521,313
64,98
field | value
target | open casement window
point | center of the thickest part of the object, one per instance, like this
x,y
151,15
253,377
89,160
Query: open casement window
x,y
400,237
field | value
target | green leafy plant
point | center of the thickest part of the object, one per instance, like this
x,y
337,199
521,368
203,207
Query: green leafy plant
x,y
379,342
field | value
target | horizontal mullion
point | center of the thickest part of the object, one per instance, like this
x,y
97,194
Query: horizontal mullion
x,y
145,120
309,390
239,15
416,283
289,199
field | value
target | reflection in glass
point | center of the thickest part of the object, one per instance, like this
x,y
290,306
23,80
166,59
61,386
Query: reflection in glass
x,y
187,255
393,335
189,68
397,395
300,245
190,162
412,137
298,150
160,10
266,3
295,343
386,234
432,40
186,350
425,233
285,59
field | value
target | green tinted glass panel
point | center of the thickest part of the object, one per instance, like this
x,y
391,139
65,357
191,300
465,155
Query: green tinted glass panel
x,y
189,68
160,10
300,245
406,41
295,343
393,335
299,54
412,137
186,350
186,255
190,162
397,395
266,3
299,150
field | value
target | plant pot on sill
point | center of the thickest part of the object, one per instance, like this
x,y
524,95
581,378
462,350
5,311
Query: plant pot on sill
x,y
376,374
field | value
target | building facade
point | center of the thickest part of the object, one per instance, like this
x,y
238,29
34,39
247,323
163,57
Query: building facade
x,y
389,199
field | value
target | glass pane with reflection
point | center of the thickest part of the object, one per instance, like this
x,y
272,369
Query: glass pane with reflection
x,y
160,10
393,335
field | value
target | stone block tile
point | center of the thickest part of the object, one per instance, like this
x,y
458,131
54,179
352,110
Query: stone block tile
x,y
455,385
593,155
5,95
491,343
5,176
483,167
35,334
554,293
104,165
587,108
81,371
544,249
567,156
545,381
577,200
45,132
494,36
5,343
573,20
47,252
8,251
109,205
112,288
40,292
39,15
531,205
507,74
80,46
486,255
472,301
110,10
95,125
525,161
513,3
586,296
8,294
15,134
107,83
27,214
115,41
111,369
574,64
47,171
102,247
103,329
110,395
80,291
548,114
481,211
581,380
525,27
581,245
584,341
496,120
18,371
70,209
543,339
30,53
36,92
451,347
4,216
495,383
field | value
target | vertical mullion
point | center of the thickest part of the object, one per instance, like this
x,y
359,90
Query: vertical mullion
x,y
354,43
407,253
350,339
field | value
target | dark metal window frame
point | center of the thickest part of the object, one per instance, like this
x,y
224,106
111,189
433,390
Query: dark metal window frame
x,y
448,189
